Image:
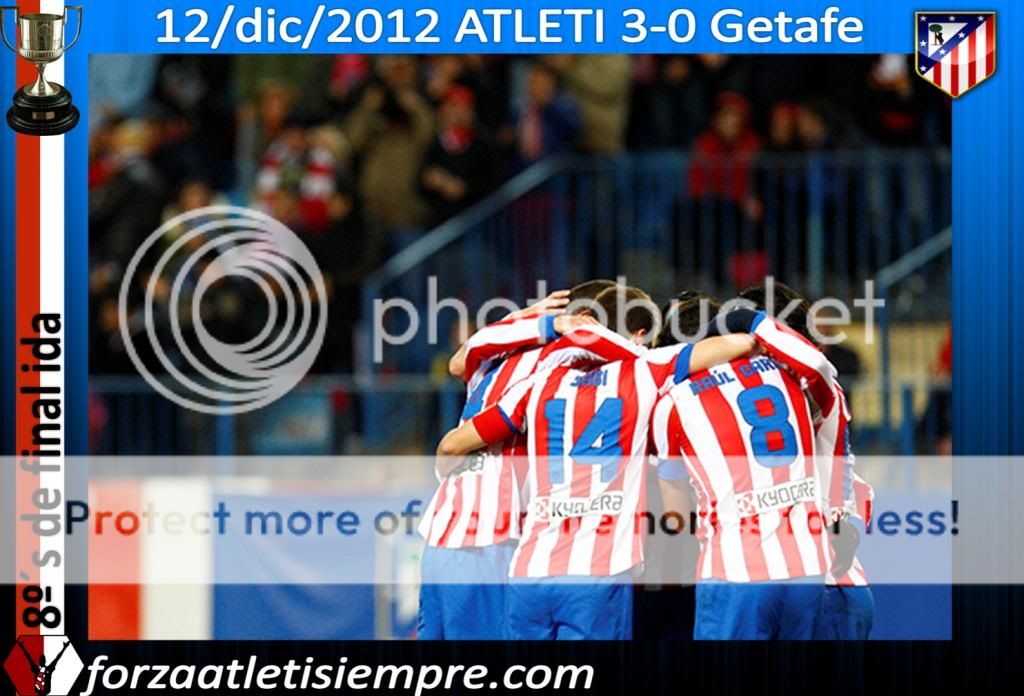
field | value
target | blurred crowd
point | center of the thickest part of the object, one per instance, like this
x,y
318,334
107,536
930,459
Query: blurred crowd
x,y
359,155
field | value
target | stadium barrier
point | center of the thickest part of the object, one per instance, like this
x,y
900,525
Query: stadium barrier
x,y
822,222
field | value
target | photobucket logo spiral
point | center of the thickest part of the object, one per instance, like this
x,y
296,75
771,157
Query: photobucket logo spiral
x,y
222,270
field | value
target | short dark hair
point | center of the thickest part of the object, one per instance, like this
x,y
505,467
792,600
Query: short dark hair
x,y
682,316
782,296
589,289
641,314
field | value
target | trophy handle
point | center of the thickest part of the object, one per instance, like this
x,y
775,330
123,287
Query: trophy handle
x,y
3,32
78,29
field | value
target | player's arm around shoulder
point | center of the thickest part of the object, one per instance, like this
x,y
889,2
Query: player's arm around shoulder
x,y
494,424
537,324
455,445
673,364
718,350
788,348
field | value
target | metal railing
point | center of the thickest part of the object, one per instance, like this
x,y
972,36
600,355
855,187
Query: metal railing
x,y
823,222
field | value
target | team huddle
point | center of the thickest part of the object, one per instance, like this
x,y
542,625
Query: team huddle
x,y
537,530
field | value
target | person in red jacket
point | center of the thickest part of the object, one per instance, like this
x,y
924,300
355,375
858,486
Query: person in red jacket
x,y
722,154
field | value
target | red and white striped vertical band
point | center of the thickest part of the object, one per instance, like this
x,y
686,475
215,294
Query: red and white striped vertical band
x,y
39,279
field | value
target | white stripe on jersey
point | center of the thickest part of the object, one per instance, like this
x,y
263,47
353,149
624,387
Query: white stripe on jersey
x,y
498,516
754,545
582,553
448,520
546,544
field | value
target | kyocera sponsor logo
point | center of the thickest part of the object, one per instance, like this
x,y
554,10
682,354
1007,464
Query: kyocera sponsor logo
x,y
778,497
548,508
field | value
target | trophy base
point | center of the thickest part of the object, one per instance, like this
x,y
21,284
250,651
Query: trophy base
x,y
50,115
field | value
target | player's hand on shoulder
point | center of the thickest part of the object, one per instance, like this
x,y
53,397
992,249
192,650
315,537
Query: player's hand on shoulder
x,y
554,303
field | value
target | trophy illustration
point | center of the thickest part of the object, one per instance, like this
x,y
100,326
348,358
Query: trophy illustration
x,y
41,108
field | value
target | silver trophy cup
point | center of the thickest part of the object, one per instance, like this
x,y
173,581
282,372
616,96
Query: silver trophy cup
x,y
43,107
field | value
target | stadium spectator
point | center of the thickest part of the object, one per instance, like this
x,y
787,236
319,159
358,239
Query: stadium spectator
x,y
126,191
679,106
361,154
349,73
460,166
782,128
390,129
477,74
726,73
600,85
260,122
723,155
308,160
548,121
894,111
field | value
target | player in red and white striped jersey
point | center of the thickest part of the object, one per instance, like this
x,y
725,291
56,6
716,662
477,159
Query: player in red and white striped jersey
x,y
480,505
744,434
586,428
848,606
472,521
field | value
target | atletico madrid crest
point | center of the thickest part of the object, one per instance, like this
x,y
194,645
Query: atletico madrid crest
x,y
955,50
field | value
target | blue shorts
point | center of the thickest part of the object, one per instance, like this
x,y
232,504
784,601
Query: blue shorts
x,y
758,611
463,593
848,613
571,608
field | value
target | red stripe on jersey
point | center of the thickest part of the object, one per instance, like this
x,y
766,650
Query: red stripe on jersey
x,y
638,535
790,549
457,502
540,434
506,489
501,338
863,496
723,420
584,406
442,496
628,393
501,380
492,426
608,347
709,527
604,542
474,516
801,409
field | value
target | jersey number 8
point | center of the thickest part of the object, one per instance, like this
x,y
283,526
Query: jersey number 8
x,y
772,438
